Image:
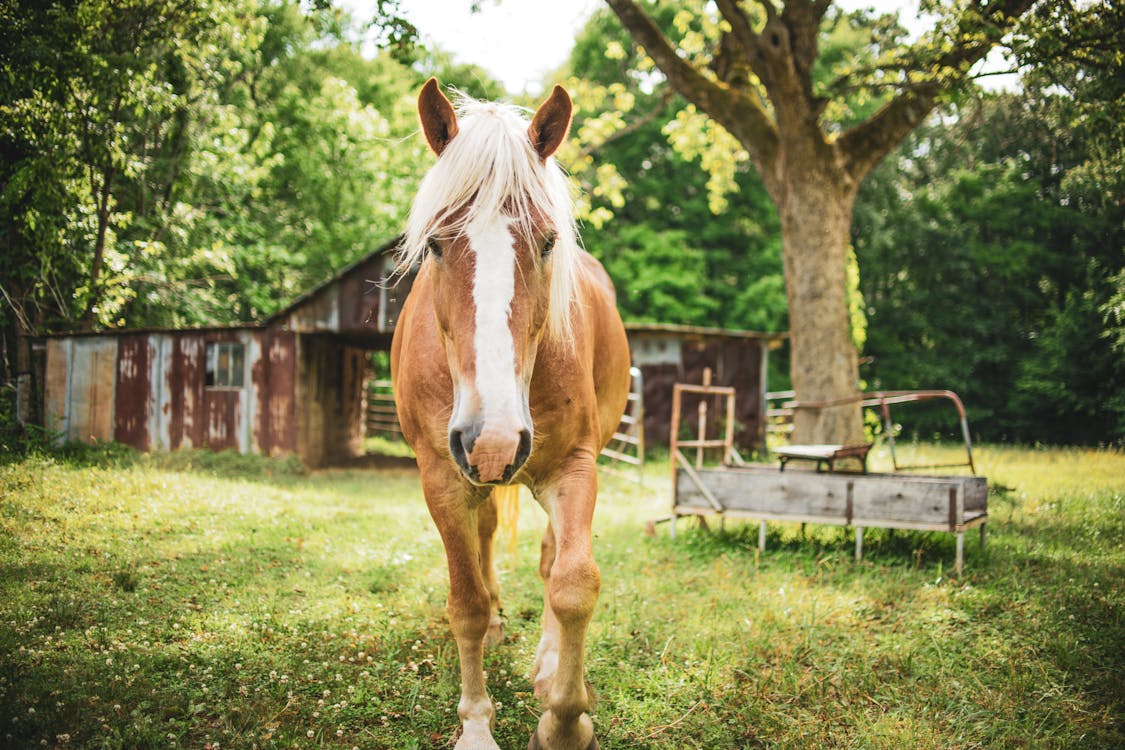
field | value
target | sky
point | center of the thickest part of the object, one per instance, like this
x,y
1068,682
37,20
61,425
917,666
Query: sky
x,y
520,42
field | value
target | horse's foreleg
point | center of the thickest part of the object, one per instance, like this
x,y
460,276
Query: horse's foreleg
x,y
468,607
572,584
486,534
547,654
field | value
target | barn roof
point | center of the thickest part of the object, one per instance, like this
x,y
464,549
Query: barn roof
x,y
357,265
351,301
673,330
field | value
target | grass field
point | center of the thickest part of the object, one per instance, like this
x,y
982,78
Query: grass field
x,y
202,601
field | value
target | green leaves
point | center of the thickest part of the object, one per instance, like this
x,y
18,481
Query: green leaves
x,y
191,163
986,271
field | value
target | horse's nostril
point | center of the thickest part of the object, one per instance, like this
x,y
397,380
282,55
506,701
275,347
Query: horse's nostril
x,y
523,450
461,444
468,441
457,447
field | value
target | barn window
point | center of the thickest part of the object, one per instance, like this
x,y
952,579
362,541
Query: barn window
x,y
225,365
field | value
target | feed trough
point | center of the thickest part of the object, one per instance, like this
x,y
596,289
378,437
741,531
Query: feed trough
x,y
950,503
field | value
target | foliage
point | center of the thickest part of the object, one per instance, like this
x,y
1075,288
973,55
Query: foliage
x,y
144,605
968,289
813,127
673,259
186,163
193,163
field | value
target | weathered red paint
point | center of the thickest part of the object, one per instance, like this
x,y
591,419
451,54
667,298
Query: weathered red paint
x,y
273,376
134,391
185,387
359,297
223,417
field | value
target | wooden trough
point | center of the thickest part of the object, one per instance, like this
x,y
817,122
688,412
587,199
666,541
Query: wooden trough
x,y
892,501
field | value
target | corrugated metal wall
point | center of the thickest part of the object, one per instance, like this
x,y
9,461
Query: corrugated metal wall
x,y
302,386
331,422
80,387
149,390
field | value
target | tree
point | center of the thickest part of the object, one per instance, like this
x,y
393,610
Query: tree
x,y
751,70
171,162
672,259
991,256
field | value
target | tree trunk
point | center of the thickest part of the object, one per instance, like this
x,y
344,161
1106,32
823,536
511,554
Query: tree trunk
x,y
816,216
811,176
102,199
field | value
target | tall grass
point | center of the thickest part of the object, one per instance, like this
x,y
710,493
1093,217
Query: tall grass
x,y
195,601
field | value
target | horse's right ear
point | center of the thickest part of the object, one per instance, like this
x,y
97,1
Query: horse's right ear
x,y
439,121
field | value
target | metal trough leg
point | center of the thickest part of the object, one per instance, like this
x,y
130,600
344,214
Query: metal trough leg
x,y
960,552
762,536
858,543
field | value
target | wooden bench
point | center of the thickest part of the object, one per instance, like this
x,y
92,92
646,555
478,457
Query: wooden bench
x,y
823,455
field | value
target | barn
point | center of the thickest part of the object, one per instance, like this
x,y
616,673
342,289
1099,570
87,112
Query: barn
x,y
293,383
297,382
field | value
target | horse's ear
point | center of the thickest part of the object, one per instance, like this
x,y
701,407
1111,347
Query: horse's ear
x,y
439,121
551,123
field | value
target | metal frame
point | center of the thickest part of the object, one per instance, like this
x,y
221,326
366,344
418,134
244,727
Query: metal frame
x,y
883,400
732,466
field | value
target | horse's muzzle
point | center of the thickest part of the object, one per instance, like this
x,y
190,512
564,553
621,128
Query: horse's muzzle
x,y
489,456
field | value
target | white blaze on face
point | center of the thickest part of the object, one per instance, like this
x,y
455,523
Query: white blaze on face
x,y
494,285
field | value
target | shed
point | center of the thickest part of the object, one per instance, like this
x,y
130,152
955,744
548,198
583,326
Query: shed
x,y
296,381
669,354
293,383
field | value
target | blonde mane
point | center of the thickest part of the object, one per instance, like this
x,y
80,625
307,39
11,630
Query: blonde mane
x,y
489,169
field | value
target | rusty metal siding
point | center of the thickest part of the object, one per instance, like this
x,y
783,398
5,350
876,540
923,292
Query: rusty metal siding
x,y
87,390
359,297
184,379
226,425
351,404
330,415
319,313
160,431
55,393
133,403
149,390
273,378
223,418
363,301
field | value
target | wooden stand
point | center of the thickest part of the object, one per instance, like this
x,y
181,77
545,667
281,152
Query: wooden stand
x,y
893,501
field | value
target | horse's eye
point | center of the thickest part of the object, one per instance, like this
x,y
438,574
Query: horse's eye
x,y
548,244
434,247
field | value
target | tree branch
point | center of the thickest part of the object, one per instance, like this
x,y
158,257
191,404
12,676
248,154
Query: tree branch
x,y
739,23
736,111
865,145
682,75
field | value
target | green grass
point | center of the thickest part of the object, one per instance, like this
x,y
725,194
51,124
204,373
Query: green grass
x,y
195,600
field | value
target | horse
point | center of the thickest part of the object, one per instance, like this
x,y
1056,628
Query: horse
x,y
510,367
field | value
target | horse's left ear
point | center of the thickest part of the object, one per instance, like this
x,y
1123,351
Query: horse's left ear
x,y
439,121
551,123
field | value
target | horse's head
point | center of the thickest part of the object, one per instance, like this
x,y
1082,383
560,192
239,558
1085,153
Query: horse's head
x,y
493,221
